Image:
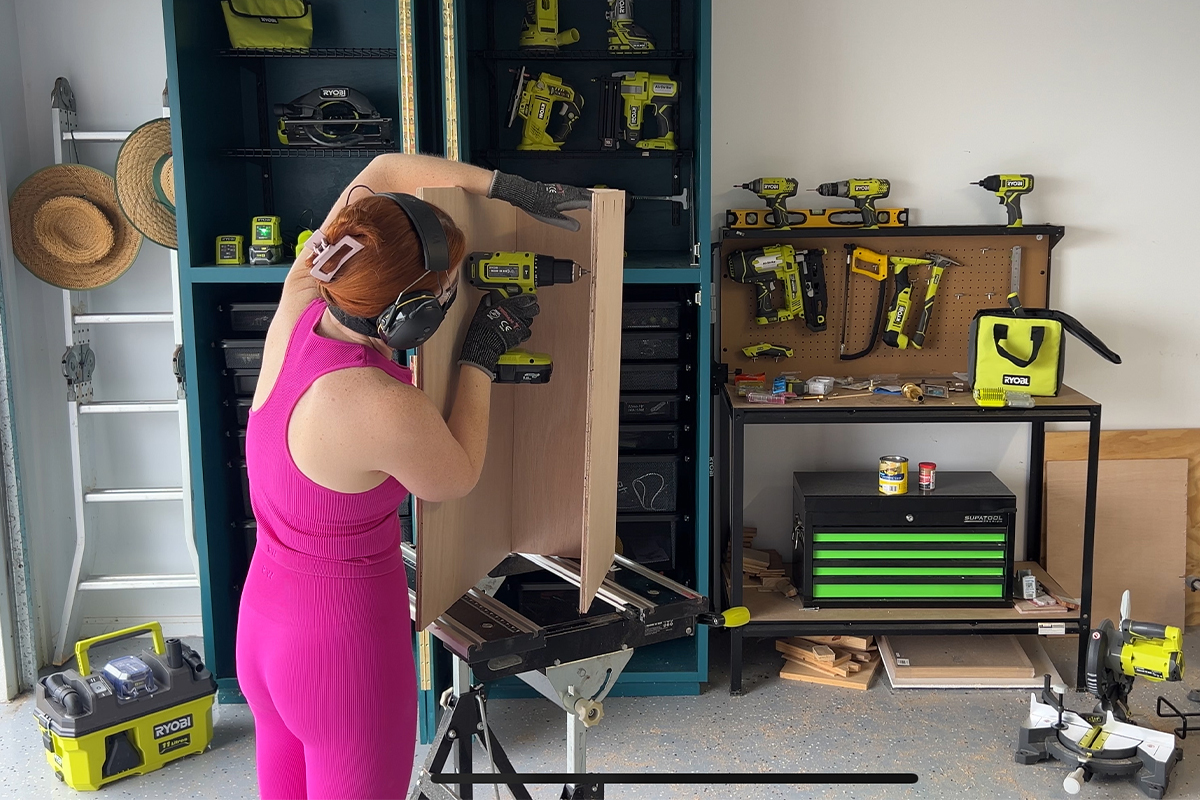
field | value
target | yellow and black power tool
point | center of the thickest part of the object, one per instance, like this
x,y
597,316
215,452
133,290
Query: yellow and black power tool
x,y
539,31
801,273
332,116
510,274
775,192
893,332
863,191
642,97
624,35
134,715
537,100
1118,654
1009,189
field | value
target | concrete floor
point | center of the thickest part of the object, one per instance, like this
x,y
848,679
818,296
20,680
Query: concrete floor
x,y
959,743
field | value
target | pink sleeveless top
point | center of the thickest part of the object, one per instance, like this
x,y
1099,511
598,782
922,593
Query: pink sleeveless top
x,y
302,525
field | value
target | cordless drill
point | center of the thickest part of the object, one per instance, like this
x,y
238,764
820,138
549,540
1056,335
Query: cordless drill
x,y
539,31
775,192
863,191
509,274
1009,189
800,272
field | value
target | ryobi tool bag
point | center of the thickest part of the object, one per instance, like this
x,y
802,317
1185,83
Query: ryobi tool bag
x,y
1022,349
268,24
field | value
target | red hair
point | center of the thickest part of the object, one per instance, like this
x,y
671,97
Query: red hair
x,y
391,260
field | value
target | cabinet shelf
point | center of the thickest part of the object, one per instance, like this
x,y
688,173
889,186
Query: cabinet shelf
x,y
237,274
582,55
308,152
313,52
655,266
594,154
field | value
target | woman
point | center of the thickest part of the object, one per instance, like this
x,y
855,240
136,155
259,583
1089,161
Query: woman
x,y
337,438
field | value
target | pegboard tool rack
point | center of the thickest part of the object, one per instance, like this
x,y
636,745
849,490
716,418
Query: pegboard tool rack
x,y
816,353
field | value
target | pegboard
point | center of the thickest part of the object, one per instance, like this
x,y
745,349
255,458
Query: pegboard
x,y
982,281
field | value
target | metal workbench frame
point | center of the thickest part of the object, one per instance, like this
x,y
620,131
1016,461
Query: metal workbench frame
x,y
730,443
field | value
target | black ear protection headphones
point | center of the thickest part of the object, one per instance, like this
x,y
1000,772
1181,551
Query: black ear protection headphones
x,y
416,315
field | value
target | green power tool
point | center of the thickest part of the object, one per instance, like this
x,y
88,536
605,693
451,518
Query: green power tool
x,y
510,274
893,334
624,35
1009,189
539,31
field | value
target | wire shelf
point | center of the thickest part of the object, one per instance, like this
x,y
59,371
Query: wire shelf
x,y
583,55
308,152
596,154
313,52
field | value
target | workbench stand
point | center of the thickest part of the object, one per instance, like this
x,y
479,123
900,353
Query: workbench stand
x,y
736,413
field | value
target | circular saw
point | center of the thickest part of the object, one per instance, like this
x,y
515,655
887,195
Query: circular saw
x,y
332,116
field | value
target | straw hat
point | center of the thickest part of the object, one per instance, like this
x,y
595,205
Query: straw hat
x,y
146,182
68,228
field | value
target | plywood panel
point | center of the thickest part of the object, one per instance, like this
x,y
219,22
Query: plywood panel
x,y
564,471
958,657
1030,645
981,282
1167,443
1141,523
460,541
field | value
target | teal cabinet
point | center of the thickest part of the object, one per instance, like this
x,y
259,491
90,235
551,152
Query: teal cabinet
x,y
439,74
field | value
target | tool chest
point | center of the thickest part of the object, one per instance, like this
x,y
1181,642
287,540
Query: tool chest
x,y
853,546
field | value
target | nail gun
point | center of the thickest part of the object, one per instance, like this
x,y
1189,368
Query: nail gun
x,y
510,274
535,101
800,272
642,96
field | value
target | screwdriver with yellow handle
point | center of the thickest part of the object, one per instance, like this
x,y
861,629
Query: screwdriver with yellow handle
x,y
734,617
940,263
893,334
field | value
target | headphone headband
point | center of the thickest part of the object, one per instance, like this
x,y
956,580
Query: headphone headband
x,y
429,230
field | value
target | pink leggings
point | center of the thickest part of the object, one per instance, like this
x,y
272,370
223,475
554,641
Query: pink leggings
x,y
326,665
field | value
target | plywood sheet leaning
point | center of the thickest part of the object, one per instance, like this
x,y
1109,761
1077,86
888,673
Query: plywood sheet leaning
x,y
1165,443
565,461
1030,645
959,657
1140,545
460,541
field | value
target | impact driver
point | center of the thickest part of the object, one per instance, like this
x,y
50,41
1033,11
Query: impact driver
x,y
775,192
510,274
1009,189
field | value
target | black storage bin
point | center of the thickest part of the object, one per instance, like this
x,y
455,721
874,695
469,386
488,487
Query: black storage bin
x,y
240,435
241,409
246,490
647,483
650,407
649,437
651,345
855,547
243,353
649,539
251,317
249,536
661,315
245,381
653,377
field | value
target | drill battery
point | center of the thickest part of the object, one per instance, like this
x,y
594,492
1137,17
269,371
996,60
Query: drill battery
x,y
135,715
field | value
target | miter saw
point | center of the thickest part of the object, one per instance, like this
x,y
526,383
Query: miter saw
x,y
332,116
1107,741
536,100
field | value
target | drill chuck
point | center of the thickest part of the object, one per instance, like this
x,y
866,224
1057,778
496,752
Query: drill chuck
x,y
835,189
548,271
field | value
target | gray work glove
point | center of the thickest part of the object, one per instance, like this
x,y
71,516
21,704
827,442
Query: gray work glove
x,y
542,201
499,325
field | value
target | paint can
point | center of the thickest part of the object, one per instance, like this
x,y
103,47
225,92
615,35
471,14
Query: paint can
x,y
926,476
893,475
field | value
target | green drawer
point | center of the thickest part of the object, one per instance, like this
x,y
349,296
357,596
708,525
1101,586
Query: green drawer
x,y
906,590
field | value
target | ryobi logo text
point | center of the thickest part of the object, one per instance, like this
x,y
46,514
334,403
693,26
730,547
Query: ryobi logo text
x,y
268,20
1015,380
332,93
173,726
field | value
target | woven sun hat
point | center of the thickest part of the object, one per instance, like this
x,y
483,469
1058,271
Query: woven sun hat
x,y
146,182
68,229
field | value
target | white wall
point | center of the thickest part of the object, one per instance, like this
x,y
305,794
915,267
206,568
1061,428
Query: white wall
x,y
113,54
1096,99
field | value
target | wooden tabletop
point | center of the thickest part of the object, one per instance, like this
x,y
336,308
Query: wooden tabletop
x,y
847,398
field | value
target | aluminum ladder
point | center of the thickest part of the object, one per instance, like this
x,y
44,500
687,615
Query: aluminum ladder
x,y
78,362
